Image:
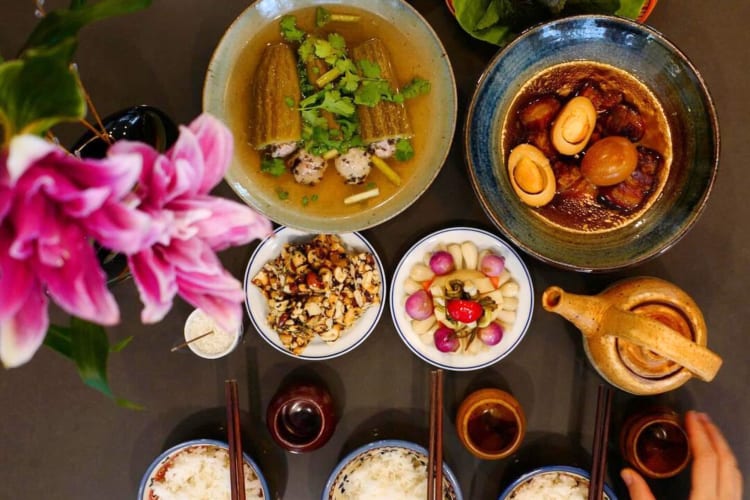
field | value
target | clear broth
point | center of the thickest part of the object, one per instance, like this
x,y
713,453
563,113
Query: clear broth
x,y
408,61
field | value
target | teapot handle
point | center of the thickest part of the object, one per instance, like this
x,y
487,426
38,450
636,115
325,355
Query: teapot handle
x,y
659,338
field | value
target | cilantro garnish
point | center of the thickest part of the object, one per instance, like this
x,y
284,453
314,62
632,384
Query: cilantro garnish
x,y
322,16
307,200
416,87
289,101
273,166
282,194
289,30
404,150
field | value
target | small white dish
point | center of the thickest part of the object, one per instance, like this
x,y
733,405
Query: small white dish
x,y
214,346
457,361
257,306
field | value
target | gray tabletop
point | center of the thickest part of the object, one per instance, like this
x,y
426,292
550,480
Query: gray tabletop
x,y
61,440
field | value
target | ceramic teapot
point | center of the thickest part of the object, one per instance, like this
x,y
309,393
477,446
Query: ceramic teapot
x,y
643,335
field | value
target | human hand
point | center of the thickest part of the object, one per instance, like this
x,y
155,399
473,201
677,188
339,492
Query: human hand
x,y
715,475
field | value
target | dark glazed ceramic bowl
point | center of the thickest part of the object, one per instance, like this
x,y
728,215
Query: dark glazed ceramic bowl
x,y
655,62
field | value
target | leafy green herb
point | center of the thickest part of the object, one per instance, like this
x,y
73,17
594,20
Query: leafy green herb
x,y
289,102
417,87
306,200
404,150
282,194
273,166
289,30
369,69
499,21
322,16
370,93
370,185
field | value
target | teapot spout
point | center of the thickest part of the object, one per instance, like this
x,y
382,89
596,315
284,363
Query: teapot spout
x,y
599,316
584,311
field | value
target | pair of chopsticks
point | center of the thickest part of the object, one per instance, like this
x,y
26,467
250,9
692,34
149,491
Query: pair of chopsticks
x,y
435,451
236,460
601,436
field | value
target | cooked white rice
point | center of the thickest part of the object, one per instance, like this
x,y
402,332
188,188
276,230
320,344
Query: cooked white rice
x,y
385,473
198,473
552,486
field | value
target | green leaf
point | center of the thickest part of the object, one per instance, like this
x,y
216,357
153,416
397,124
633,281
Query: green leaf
x,y
273,166
87,345
58,339
404,150
39,91
417,87
369,69
322,16
289,30
61,24
338,105
76,4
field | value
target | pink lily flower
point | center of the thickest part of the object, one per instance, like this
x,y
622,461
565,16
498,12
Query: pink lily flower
x,y
52,205
173,190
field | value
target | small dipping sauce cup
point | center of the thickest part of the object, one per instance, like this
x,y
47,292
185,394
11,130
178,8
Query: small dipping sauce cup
x,y
301,417
213,346
655,443
490,424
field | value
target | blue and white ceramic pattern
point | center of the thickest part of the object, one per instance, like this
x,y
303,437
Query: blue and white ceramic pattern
x,y
665,70
370,452
574,471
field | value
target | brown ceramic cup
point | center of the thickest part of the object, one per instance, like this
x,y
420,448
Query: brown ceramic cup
x,y
301,417
490,423
655,442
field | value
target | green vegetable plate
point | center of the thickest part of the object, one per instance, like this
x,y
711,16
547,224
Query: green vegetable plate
x,y
499,21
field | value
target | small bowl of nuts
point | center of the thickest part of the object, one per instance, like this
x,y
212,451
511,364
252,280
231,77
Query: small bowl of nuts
x,y
314,296
461,299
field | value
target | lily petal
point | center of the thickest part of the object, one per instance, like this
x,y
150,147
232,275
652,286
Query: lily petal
x,y
216,142
224,223
22,334
24,151
219,296
79,285
16,280
156,282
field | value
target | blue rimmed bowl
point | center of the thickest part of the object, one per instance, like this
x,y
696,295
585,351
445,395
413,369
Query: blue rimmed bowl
x,y
402,458
257,305
422,345
156,472
648,56
558,478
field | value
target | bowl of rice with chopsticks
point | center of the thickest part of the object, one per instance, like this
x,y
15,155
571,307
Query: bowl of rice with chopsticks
x,y
198,470
557,482
386,469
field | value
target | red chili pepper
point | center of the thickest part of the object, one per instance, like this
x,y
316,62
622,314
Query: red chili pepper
x,y
464,311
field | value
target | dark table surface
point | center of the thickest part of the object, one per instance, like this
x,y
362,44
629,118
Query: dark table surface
x,y
61,440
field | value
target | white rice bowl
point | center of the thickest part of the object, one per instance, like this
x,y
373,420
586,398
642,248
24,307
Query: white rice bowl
x,y
386,470
198,471
558,483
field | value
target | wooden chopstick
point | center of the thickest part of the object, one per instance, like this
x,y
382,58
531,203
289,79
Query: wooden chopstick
x,y
435,451
601,436
236,460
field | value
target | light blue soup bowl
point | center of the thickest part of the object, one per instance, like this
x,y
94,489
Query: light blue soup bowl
x,y
665,70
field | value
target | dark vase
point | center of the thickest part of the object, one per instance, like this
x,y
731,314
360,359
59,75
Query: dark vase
x,y
138,123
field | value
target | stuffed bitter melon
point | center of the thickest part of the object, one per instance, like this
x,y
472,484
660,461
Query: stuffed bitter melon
x,y
275,118
386,120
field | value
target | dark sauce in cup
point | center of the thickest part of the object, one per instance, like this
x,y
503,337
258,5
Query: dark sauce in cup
x,y
299,422
492,428
662,447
